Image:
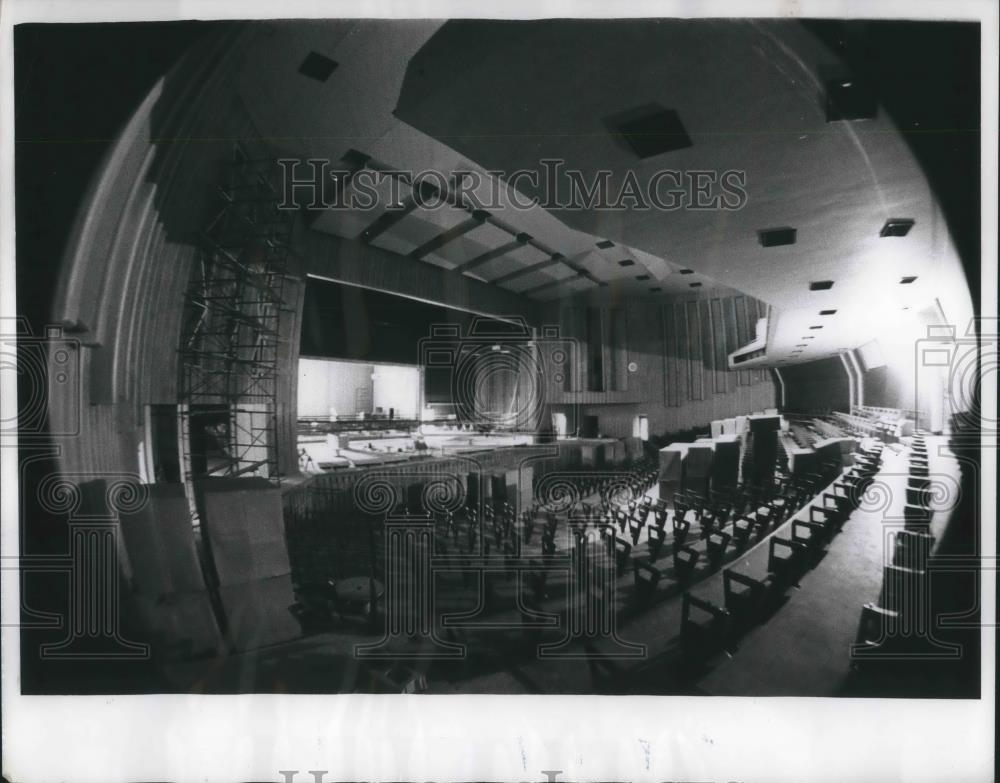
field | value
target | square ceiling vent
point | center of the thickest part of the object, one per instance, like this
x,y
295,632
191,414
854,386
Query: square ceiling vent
x,y
649,130
776,237
317,67
896,227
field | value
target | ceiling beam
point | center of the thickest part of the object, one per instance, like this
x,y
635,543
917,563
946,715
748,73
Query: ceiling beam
x,y
580,273
388,219
450,235
519,241
555,258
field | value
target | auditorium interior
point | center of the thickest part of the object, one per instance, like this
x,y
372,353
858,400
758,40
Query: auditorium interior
x,y
478,440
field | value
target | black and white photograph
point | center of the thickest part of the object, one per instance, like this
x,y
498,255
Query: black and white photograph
x,y
504,357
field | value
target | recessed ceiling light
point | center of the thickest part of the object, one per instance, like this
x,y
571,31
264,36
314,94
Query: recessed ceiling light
x,y
686,271
695,285
815,327
626,262
775,237
808,337
801,345
655,289
317,67
896,227
907,280
827,312
604,244
821,285
642,277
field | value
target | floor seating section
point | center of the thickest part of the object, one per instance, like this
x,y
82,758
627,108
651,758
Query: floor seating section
x,y
653,548
750,598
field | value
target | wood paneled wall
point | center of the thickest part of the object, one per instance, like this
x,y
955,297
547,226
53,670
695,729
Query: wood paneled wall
x,y
122,288
678,349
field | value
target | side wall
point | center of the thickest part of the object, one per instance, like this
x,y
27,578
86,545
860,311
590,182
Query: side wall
x,y
666,360
817,386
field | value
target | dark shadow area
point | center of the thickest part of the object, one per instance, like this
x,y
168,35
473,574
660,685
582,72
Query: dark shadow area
x,y
954,608
820,385
75,87
926,77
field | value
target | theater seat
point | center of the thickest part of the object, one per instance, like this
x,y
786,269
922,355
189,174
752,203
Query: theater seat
x,y
742,528
623,551
685,559
716,546
681,527
655,540
705,627
812,534
744,596
646,576
785,560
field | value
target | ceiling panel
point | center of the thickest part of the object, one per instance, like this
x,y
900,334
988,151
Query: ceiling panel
x,y
349,223
555,272
470,245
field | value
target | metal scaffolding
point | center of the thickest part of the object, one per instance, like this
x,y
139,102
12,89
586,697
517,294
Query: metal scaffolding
x,y
231,338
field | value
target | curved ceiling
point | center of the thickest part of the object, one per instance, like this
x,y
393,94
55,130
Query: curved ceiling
x,y
489,95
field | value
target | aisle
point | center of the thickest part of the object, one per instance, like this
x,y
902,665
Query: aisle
x,y
804,649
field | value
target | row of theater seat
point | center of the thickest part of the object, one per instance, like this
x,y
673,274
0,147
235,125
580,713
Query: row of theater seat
x,y
889,626
721,518
707,628
726,522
